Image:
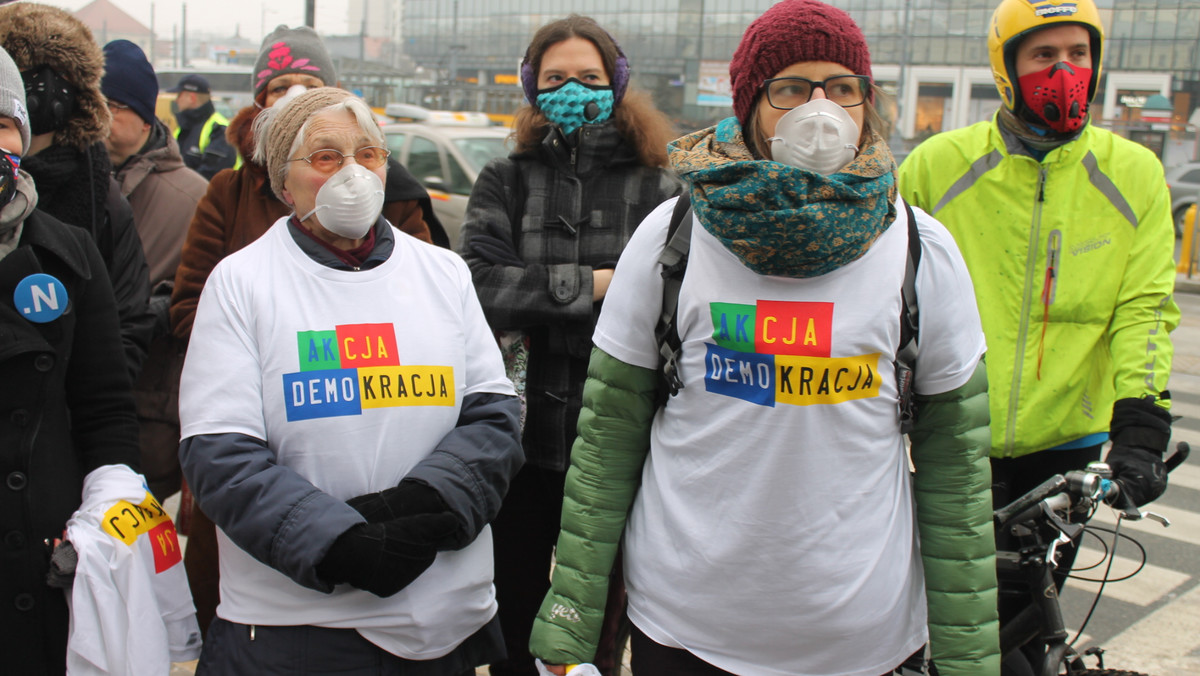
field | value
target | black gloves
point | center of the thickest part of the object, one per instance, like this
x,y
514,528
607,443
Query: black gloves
x,y
496,247
384,558
409,498
63,560
406,526
1140,432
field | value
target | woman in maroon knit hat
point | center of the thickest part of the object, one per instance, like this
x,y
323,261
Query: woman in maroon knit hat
x,y
767,515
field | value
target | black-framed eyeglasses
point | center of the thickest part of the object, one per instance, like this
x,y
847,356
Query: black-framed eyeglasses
x,y
847,91
328,160
113,105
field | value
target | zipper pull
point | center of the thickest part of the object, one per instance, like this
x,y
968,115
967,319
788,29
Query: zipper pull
x,y
1041,197
1053,251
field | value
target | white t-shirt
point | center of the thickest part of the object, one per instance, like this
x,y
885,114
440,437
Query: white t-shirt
x,y
131,609
352,378
774,530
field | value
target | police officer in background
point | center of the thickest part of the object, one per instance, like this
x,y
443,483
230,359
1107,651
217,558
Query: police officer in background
x,y
201,130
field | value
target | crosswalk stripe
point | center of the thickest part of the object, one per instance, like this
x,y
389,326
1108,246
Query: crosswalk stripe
x,y
1082,642
1186,475
1189,411
1185,525
1144,589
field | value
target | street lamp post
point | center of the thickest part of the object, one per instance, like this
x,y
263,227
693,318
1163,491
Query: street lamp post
x,y
897,133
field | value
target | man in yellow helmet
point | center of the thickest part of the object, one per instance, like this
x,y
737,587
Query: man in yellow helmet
x,y
1066,229
201,130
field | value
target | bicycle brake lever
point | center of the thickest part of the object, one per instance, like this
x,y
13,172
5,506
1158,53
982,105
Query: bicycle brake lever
x,y
1132,513
1155,516
1052,550
1068,530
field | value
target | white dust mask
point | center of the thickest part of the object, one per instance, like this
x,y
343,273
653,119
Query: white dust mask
x,y
818,136
350,202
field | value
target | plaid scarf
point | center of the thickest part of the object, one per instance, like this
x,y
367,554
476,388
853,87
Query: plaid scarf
x,y
781,220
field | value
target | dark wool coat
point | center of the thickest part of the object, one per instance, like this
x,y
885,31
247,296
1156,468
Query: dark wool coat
x,y
66,408
73,175
77,188
564,212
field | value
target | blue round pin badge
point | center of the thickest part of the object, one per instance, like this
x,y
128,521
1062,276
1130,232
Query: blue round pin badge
x,y
40,298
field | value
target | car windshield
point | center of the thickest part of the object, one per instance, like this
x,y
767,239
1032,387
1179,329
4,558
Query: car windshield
x,y
478,150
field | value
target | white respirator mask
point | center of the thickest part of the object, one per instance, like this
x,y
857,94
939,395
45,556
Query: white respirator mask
x,y
818,136
350,202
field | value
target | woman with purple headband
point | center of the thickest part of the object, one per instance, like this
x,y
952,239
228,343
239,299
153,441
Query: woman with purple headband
x,y
543,231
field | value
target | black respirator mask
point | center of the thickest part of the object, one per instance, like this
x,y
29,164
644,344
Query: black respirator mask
x,y
49,98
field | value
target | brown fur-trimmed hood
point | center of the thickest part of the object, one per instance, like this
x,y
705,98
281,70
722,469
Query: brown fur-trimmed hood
x,y
36,35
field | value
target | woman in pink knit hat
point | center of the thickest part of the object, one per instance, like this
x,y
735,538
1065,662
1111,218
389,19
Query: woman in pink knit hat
x,y
769,522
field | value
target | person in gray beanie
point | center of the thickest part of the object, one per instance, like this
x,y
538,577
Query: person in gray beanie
x,y
65,386
12,103
289,51
163,193
62,65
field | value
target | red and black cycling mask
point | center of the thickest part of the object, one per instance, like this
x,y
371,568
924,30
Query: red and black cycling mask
x,y
1058,96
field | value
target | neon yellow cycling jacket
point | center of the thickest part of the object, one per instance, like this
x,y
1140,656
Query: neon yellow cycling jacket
x,y
1072,262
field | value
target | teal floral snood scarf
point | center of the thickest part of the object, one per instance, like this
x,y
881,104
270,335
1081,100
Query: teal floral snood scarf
x,y
780,220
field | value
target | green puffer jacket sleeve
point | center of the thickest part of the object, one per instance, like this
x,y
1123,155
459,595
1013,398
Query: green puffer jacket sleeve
x,y
605,472
952,482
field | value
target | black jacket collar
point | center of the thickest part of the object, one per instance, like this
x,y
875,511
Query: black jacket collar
x,y
43,231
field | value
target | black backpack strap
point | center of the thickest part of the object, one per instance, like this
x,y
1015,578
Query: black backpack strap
x,y
674,265
906,355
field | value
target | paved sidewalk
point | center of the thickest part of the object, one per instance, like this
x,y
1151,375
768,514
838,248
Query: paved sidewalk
x,y
1167,643
1183,284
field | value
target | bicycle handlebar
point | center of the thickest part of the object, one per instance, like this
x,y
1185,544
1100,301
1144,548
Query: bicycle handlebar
x,y
1094,483
1015,511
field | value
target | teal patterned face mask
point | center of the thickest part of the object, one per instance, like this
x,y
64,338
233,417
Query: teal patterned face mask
x,y
574,104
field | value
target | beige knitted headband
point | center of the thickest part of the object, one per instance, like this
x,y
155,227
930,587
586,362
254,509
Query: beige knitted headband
x,y
282,127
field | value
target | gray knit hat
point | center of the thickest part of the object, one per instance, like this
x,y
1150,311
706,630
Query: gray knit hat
x,y
283,125
12,99
292,50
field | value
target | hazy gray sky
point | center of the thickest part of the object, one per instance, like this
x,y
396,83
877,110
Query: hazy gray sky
x,y
224,16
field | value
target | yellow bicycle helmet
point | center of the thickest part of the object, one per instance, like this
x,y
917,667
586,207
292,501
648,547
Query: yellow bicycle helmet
x,y
1013,20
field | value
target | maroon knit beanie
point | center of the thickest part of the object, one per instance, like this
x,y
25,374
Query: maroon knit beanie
x,y
790,32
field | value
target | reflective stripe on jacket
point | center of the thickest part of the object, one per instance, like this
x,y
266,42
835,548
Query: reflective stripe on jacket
x,y
206,133
1072,261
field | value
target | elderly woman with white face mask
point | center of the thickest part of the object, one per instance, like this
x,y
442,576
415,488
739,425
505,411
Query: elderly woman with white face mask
x,y
238,208
767,516
347,424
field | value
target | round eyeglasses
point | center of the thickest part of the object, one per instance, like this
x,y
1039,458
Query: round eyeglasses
x,y
328,160
847,91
